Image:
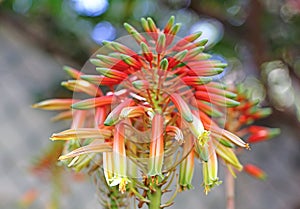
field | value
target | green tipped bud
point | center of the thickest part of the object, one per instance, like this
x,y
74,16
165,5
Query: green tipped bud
x,y
146,52
169,25
261,113
130,29
175,29
177,58
202,42
152,25
145,25
161,43
130,61
110,73
122,48
96,62
164,64
135,34
180,55
72,72
195,51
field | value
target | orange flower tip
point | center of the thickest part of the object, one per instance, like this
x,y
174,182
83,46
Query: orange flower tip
x,y
255,171
259,133
164,64
247,146
28,198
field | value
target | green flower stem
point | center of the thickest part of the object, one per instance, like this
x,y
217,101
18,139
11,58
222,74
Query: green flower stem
x,y
155,193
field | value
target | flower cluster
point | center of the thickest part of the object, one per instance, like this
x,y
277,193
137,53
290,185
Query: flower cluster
x,y
149,111
240,121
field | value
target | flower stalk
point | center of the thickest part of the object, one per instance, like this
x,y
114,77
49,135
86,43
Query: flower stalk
x,y
159,114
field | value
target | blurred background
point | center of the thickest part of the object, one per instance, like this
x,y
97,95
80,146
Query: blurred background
x,y
260,40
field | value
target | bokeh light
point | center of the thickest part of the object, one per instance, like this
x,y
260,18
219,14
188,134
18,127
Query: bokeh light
x,y
22,6
211,29
223,60
90,7
103,31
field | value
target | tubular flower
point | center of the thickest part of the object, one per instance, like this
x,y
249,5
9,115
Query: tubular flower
x,y
186,170
159,94
255,171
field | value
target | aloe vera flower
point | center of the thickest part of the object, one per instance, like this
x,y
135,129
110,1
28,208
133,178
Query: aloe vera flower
x,y
148,109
